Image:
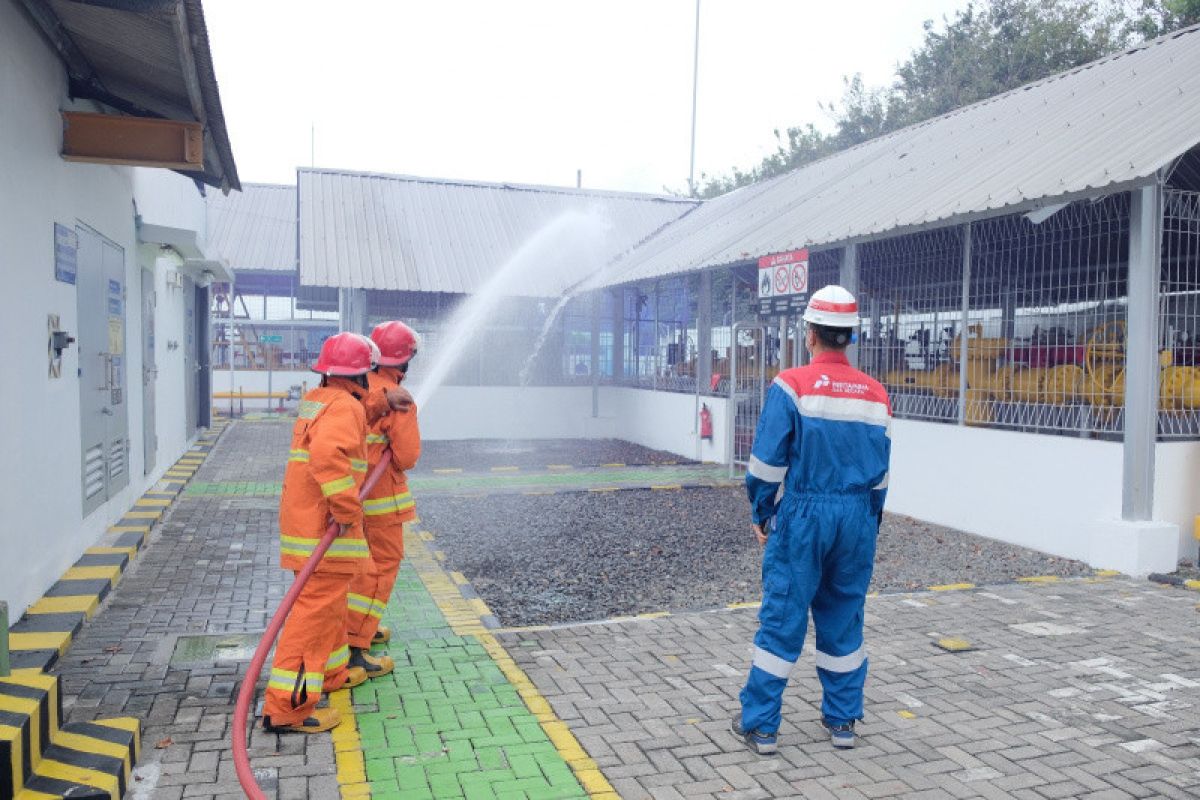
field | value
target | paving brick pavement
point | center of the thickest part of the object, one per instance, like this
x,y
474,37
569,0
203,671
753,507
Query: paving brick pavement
x,y
1078,688
211,567
1083,688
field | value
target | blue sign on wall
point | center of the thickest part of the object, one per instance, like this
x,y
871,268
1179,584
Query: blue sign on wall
x,y
66,245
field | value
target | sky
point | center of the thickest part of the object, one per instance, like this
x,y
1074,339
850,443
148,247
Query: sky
x,y
529,91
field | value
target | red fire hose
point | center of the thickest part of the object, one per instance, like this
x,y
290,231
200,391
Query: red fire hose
x,y
241,758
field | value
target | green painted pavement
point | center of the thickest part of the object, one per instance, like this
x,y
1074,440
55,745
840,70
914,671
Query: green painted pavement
x,y
447,723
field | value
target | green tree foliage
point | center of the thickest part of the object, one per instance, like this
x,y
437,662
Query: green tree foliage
x,y
989,47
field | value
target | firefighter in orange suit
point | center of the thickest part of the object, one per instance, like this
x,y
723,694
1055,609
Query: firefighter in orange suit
x,y
389,505
326,467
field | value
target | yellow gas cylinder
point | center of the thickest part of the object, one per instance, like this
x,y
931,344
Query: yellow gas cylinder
x,y
1027,385
979,407
999,384
1063,384
944,381
1179,389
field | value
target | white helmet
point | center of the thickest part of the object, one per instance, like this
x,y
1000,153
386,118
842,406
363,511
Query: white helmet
x,y
833,307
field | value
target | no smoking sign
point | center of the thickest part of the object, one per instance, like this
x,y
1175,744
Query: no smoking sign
x,y
783,274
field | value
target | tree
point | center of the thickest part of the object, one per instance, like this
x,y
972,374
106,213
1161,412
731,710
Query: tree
x,y
989,47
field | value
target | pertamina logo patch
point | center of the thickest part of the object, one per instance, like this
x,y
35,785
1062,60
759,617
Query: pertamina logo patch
x,y
841,387
822,382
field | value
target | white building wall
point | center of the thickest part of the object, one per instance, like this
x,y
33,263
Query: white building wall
x,y
1044,492
1177,490
44,531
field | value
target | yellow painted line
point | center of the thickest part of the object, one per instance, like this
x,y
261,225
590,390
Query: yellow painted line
x,y
143,514
1039,579
129,529
347,747
36,679
654,615
907,714
131,724
86,744
109,571
111,551
447,471
743,605
506,469
439,555
951,587
52,640
1107,573
70,773
667,487
954,644
459,578
536,493
147,502
603,489
79,603
559,466
480,607
426,536
614,464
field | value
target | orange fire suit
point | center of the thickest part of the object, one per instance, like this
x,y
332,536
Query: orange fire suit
x,y
326,467
385,510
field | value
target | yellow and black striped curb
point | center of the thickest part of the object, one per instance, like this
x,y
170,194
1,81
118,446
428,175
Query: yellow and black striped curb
x,y
49,625
41,758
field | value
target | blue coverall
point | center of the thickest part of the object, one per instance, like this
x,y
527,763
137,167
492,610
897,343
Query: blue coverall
x,y
825,432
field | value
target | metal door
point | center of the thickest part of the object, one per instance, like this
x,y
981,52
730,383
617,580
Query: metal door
x,y
189,353
747,389
149,373
104,423
203,360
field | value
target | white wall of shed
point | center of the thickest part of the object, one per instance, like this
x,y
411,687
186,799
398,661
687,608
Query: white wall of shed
x,y
1177,490
44,531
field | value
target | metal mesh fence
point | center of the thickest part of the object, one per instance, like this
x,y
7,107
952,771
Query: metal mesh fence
x,y
1046,326
910,296
1179,317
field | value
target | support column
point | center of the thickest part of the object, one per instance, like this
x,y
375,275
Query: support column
x,y
848,278
1141,354
1136,543
352,309
595,342
963,332
618,337
704,365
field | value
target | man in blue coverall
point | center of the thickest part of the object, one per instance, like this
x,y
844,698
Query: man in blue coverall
x,y
825,433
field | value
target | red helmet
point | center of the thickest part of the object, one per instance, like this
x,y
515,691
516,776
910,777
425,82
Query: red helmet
x,y
397,343
344,354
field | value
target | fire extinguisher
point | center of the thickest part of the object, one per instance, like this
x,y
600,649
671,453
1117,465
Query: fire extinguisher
x,y
706,426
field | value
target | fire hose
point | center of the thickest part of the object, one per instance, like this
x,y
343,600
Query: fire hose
x,y
241,757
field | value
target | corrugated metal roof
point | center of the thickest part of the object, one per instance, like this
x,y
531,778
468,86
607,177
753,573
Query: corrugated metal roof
x,y
372,231
254,229
1108,124
148,58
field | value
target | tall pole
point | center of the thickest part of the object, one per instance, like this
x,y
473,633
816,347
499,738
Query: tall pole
x,y
695,82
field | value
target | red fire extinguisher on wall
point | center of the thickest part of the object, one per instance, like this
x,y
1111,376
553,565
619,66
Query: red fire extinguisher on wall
x,y
706,425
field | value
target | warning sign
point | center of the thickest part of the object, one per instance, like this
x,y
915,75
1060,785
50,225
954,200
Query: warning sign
x,y
782,277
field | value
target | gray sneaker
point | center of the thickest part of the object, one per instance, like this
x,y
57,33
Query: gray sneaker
x,y
764,744
841,735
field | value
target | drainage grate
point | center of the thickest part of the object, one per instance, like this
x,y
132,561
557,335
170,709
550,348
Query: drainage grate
x,y
211,647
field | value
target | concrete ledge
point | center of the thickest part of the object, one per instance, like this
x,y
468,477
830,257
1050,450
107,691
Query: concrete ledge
x,y
1134,548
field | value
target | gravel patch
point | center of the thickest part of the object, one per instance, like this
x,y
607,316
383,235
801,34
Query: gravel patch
x,y
473,455
584,556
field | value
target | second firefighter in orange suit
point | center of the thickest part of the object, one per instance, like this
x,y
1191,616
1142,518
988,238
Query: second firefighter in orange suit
x,y
389,505
326,467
